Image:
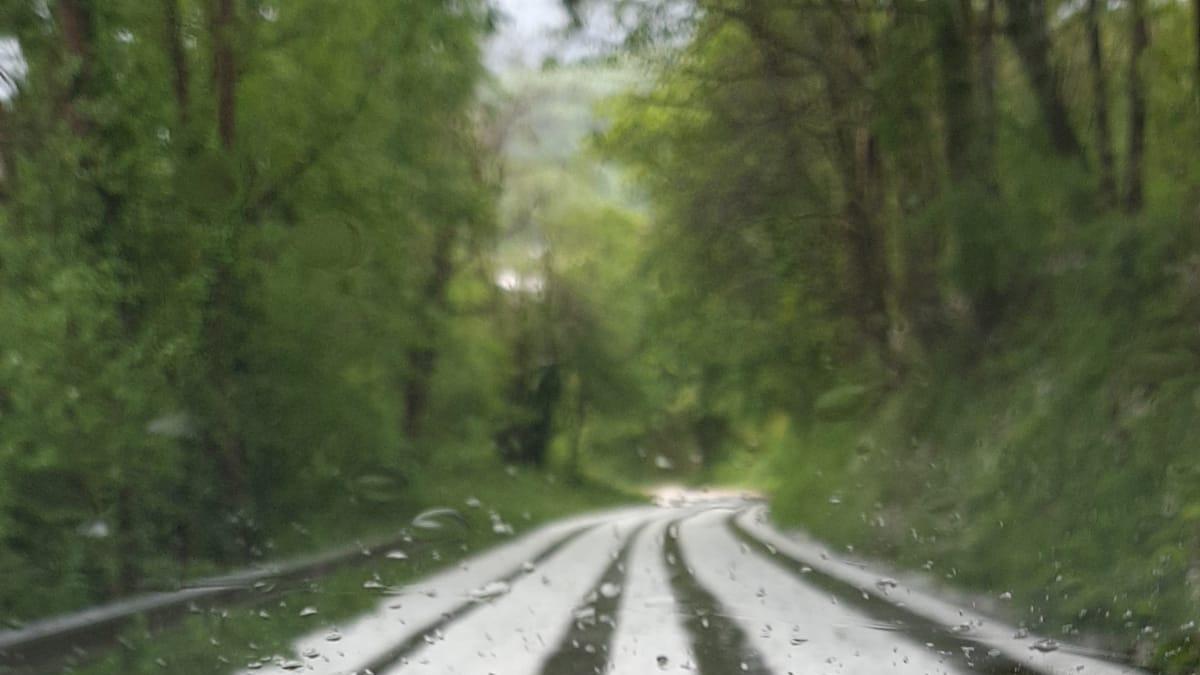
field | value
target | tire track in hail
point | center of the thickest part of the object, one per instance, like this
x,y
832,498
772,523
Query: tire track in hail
x,y
586,646
960,649
719,645
417,639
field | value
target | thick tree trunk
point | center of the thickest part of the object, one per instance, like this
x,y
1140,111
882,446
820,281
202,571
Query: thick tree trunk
x,y
417,383
859,158
75,22
1104,148
179,66
864,233
953,37
422,360
1139,40
224,71
1028,31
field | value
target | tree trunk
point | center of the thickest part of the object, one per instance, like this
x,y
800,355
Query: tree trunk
x,y
864,234
1104,149
1196,36
422,360
178,57
1028,31
6,165
127,572
75,21
859,159
953,38
224,71
988,119
419,379
1139,40
577,437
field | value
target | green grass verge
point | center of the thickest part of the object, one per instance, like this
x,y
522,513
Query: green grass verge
x,y
222,639
1060,468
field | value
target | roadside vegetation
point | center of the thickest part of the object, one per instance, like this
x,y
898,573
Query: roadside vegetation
x,y
251,301
926,273
928,276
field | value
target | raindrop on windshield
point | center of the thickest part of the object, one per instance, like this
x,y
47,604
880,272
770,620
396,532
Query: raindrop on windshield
x,y
490,590
1045,645
438,519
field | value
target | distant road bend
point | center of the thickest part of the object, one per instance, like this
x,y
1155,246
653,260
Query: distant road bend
x,y
699,587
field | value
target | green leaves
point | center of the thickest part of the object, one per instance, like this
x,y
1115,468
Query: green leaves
x,y
264,292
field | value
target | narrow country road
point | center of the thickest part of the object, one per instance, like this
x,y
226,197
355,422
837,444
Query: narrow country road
x,y
704,587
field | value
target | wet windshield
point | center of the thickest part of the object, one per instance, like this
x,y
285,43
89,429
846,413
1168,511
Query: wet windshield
x,y
573,337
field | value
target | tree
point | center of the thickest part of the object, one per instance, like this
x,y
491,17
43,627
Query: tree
x,y
1139,40
1028,31
224,70
1108,181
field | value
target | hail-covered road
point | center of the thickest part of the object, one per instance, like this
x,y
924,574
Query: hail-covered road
x,y
706,587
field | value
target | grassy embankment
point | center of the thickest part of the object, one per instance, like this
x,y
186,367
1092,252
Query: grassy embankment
x,y
220,640
1058,462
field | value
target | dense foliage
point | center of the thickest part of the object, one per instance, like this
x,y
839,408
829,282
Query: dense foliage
x,y
929,270
233,236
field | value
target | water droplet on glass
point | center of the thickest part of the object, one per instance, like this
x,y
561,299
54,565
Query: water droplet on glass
x,y
97,529
397,555
662,661
610,590
438,519
1044,645
490,590
308,611
585,615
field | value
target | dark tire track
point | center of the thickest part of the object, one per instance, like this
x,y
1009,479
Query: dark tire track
x,y
397,654
719,645
959,649
585,648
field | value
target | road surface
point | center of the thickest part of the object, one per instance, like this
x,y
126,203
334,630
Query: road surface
x,y
703,587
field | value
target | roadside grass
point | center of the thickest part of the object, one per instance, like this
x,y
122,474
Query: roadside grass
x,y
1060,469
222,639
